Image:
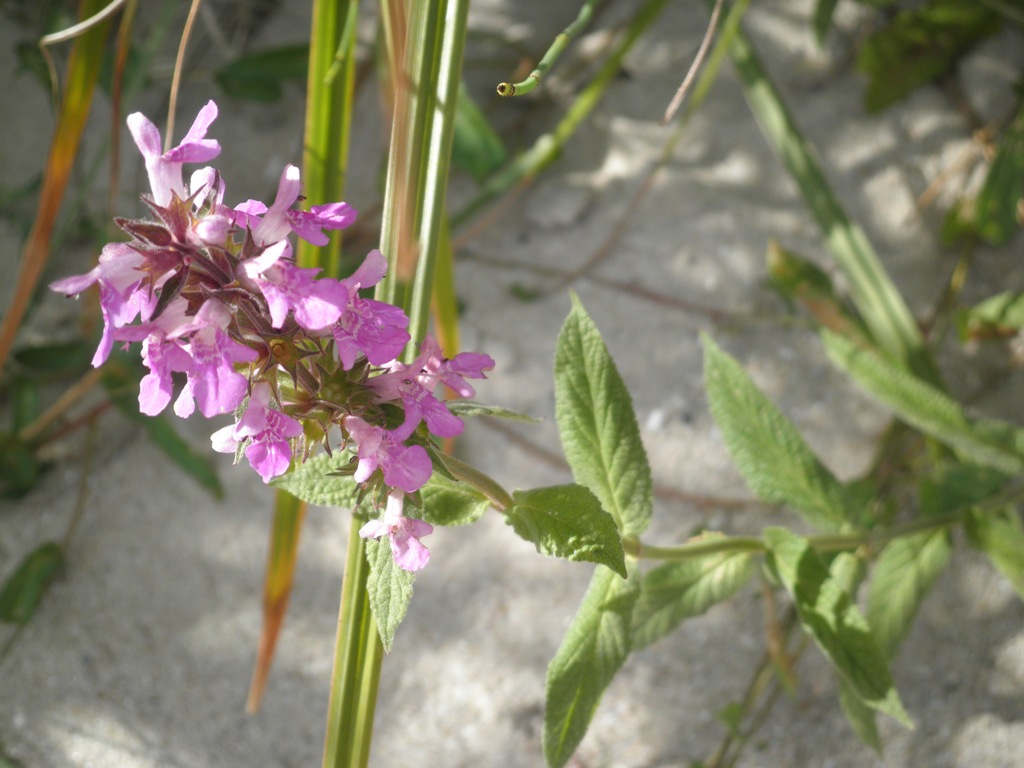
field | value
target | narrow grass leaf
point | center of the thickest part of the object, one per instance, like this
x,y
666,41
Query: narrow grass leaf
x,y
594,648
24,588
674,592
597,424
833,621
390,589
769,452
312,483
988,442
568,521
902,576
449,502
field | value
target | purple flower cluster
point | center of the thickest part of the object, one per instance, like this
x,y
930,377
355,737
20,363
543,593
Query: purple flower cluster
x,y
214,293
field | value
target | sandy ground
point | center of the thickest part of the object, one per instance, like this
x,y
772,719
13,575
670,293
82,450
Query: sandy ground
x,y
140,655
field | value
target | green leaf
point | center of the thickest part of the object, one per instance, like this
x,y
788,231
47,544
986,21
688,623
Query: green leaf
x,y
258,76
476,148
1000,536
771,455
464,408
19,467
860,716
122,387
823,10
831,618
991,443
594,648
677,591
311,482
23,589
449,502
57,357
996,207
568,521
919,46
597,424
902,576
997,316
389,587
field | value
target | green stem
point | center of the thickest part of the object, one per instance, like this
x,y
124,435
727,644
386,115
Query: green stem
x,y
533,79
357,660
489,487
825,543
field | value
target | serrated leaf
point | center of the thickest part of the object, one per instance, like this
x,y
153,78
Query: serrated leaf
x,y
567,521
469,408
311,482
983,441
597,425
902,576
594,648
674,592
999,535
833,621
389,587
773,458
919,45
476,148
448,502
24,588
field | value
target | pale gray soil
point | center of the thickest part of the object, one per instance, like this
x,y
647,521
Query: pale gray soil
x,y
141,653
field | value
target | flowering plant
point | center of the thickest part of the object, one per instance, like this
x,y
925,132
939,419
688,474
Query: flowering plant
x,y
214,293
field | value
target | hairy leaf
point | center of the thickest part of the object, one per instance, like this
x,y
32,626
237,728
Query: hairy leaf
x,y
311,482
903,574
771,455
390,589
448,502
597,424
594,648
568,521
988,442
677,591
831,618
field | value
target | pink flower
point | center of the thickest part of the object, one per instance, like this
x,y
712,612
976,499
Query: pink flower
x,y
269,450
279,219
164,168
406,467
372,328
404,532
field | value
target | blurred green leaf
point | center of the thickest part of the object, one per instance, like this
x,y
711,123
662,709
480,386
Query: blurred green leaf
x,y
998,316
769,452
823,10
58,357
674,592
833,621
24,397
860,716
476,148
997,205
23,589
259,76
598,426
469,408
920,45
19,468
1000,536
594,648
568,521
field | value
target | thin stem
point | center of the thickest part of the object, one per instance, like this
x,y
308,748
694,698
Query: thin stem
x,y
561,42
698,60
490,488
179,64
71,396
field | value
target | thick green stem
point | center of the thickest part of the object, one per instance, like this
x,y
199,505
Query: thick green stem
x,y
357,658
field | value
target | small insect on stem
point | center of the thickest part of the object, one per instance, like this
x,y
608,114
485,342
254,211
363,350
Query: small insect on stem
x,y
559,45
